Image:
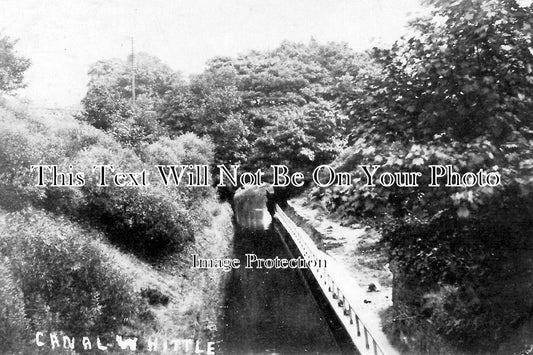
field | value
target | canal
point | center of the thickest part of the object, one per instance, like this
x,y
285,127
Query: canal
x,y
271,311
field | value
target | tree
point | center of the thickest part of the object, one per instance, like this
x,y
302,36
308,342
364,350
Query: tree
x,y
210,105
299,137
466,73
458,92
12,66
251,104
293,73
108,103
105,107
153,78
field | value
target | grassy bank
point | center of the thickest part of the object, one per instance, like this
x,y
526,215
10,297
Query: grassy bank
x,y
97,262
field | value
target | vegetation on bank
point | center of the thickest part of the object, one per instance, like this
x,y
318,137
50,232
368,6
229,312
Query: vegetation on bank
x,y
458,91
60,280
150,221
59,275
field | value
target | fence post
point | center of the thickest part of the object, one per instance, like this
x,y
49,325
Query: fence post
x,y
341,301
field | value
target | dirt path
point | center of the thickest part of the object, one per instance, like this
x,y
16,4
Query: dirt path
x,y
355,248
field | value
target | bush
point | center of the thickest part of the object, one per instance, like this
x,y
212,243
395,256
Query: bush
x,y
185,149
147,222
27,140
67,283
150,221
19,148
13,325
455,92
154,296
479,268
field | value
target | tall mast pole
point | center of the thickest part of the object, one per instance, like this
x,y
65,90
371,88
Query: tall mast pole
x,y
132,74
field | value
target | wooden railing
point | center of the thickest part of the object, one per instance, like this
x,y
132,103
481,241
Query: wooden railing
x,y
360,334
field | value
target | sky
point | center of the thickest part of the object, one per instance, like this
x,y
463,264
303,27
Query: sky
x,y
64,37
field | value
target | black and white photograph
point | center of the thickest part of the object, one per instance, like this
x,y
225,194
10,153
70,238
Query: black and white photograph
x,y
254,177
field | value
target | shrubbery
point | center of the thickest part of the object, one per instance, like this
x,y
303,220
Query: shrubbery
x,y
55,275
150,221
14,326
56,278
469,277
459,92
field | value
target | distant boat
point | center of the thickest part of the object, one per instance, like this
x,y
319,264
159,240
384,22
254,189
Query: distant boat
x,y
250,205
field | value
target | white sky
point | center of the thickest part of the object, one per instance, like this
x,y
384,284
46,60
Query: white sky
x,y
63,37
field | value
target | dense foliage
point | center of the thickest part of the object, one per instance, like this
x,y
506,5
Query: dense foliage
x,y
58,272
108,104
150,221
63,279
259,109
459,92
264,108
14,325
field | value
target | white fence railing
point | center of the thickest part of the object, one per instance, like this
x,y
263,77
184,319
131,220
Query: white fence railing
x,y
359,332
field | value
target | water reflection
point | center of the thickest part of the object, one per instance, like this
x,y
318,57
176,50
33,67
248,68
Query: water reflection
x,y
271,311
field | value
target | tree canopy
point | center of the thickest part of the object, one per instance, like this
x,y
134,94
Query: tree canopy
x,y
12,66
108,103
457,91
278,104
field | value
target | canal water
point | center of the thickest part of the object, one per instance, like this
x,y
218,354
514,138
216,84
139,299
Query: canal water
x,y
271,311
